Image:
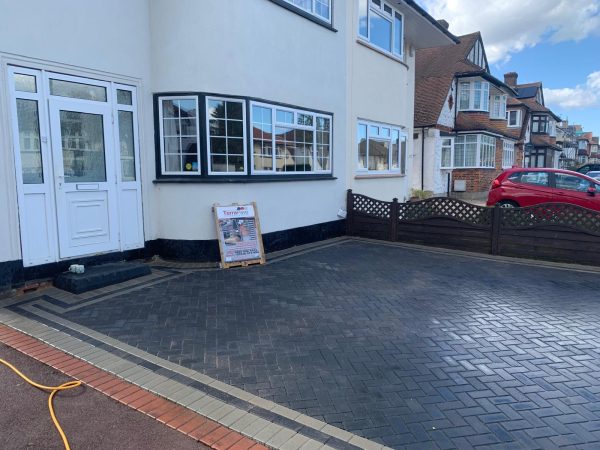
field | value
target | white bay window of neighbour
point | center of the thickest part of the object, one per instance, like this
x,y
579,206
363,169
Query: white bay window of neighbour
x,y
474,96
179,132
381,148
288,141
474,151
381,25
508,154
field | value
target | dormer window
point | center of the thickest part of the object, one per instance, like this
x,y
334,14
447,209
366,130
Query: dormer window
x,y
539,124
498,110
382,26
476,55
474,96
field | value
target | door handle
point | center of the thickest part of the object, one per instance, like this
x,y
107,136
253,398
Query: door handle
x,y
60,180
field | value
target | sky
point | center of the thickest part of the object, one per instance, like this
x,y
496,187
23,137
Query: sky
x,y
556,42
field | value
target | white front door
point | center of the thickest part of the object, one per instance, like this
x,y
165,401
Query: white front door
x,y
85,179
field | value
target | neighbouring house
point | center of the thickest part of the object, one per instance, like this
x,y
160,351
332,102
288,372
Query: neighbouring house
x,y
123,122
584,140
541,149
566,140
462,136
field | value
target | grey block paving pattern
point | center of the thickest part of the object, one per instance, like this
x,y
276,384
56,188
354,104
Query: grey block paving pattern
x,y
406,347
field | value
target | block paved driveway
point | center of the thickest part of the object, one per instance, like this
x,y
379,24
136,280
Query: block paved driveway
x,y
403,346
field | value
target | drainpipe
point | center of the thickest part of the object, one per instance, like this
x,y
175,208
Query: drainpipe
x,y
423,158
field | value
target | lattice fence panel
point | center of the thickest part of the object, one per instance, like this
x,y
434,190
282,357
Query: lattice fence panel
x,y
447,208
562,214
368,205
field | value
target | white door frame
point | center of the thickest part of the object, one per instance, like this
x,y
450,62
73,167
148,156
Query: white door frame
x,y
128,199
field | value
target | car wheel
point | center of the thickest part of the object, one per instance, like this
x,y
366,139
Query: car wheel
x,y
507,204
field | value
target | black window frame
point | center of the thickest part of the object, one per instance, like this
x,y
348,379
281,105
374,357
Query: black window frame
x,y
307,15
540,120
248,177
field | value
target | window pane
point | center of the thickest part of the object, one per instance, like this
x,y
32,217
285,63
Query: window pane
x,y
226,145
398,34
179,138
477,95
396,150
285,116
379,153
322,8
187,108
262,138
403,155
25,83
459,151
29,141
571,182
126,143
82,136
537,178
446,153
124,97
305,119
363,24
77,90
464,95
381,31
362,146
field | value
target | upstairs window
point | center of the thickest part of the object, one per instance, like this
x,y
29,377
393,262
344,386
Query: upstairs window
x,y
382,26
474,96
498,110
318,8
539,124
514,118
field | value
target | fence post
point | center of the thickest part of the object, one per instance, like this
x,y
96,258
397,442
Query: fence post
x,y
496,222
394,220
349,212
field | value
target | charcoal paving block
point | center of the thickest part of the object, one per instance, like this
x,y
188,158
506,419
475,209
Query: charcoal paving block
x,y
96,277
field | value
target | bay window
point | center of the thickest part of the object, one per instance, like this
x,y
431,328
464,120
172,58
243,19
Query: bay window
x,y
382,26
381,148
242,138
469,151
474,96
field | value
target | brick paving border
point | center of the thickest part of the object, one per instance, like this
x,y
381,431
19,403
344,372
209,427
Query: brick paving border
x,y
182,419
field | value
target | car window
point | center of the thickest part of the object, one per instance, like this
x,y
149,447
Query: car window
x,y
515,177
571,182
537,178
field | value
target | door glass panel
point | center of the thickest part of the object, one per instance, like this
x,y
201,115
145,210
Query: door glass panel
x,y
29,141
124,97
25,83
82,146
126,144
83,91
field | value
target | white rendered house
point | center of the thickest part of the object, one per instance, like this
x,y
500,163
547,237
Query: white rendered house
x,y
122,123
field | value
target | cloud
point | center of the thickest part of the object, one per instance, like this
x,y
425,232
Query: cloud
x,y
509,26
581,96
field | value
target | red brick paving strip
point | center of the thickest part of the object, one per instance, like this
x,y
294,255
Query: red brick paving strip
x,y
198,427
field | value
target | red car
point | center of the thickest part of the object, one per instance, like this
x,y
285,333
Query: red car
x,y
526,187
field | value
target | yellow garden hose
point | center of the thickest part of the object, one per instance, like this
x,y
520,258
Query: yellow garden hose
x,y
53,390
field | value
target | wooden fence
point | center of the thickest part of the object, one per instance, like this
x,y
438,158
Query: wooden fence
x,y
550,231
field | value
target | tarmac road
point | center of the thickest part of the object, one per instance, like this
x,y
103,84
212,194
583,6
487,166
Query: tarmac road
x,y
90,419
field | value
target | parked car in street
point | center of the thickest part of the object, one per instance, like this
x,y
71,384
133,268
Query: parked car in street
x,y
588,168
526,187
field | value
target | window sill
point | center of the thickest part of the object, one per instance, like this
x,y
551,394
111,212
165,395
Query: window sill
x,y
241,179
382,52
366,176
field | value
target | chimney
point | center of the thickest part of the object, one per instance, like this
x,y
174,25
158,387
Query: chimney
x,y
443,23
510,78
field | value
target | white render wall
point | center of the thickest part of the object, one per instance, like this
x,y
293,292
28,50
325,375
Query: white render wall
x,y
447,114
258,49
435,178
104,40
380,89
